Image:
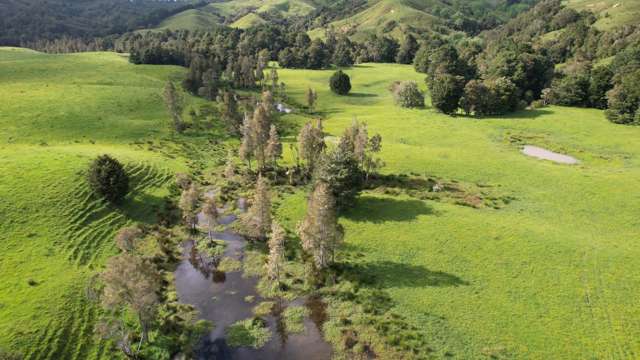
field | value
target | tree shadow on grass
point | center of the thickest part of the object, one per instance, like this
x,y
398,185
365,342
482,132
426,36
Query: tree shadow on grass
x,y
388,274
362,95
520,114
378,209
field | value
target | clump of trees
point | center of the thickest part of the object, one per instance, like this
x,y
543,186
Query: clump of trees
x,y
108,178
407,94
340,83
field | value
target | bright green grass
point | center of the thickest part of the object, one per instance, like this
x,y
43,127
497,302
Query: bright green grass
x,y
374,18
213,14
192,19
248,21
59,112
552,275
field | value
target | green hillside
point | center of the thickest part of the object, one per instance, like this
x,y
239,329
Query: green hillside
x,y
611,13
60,112
248,21
550,274
193,19
235,13
391,17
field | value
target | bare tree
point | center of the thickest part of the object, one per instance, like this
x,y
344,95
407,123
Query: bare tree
x,y
210,211
276,252
310,144
188,204
131,283
319,231
257,221
274,147
312,97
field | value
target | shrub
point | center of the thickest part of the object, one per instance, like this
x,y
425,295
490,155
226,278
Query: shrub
x,y
407,94
446,91
108,179
340,83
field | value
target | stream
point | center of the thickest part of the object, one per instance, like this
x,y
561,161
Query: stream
x,y
220,298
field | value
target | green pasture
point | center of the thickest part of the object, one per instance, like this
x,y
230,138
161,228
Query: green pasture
x,y
552,274
58,113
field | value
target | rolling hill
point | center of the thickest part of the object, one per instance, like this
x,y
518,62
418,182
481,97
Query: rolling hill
x,y
611,13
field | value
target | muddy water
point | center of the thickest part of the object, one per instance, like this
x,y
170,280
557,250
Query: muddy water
x,y
545,154
220,298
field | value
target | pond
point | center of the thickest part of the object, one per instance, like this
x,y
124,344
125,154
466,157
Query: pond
x,y
220,298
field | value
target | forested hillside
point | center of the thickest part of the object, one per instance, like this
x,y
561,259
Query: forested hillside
x,y
30,20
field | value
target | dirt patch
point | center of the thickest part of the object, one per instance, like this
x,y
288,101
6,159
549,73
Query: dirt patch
x,y
545,154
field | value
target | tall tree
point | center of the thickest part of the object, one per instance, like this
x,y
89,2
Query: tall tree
x,y
276,252
310,144
257,221
319,231
210,211
248,145
131,283
312,97
274,146
174,103
188,204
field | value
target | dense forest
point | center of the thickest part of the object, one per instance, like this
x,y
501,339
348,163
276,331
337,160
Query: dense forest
x,y
27,21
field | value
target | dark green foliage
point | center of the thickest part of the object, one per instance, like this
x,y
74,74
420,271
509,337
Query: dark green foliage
x,y
599,84
340,83
342,172
624,100
571,90
446,91
407,94
108,179
31,20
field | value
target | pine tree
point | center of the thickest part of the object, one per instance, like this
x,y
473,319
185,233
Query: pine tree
x,y
312,96
230,112
188,204
276,252
310,144
257,221
259,128
274,147
174,104
248,145
319,231
230,168
273,75
210,211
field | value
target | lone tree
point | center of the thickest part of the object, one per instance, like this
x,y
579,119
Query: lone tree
x,y
210,211
339,169
131,283
108,178
319,231
312,97
174,103
311,144
276,252
257,221
274,147
188,204
340,83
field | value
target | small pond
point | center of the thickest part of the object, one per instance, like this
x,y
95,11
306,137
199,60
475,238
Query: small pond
x,y
545,154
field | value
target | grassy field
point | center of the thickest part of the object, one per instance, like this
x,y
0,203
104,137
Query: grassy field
x,y
58,113
550,275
